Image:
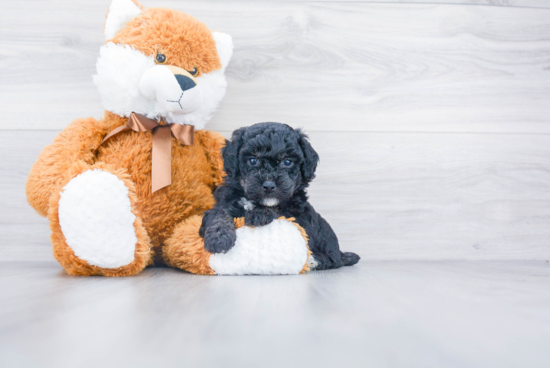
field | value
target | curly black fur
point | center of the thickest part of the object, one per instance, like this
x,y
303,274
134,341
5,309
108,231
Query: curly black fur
x,y
268,167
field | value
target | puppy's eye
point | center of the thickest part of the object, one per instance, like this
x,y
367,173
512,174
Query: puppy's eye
x,y
287,163
253,161
160,58
194,72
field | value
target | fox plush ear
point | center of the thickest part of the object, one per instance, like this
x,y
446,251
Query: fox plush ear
x,y
224,46
120,13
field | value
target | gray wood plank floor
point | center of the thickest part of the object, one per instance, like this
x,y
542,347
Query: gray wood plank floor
x,y
375,314
341,66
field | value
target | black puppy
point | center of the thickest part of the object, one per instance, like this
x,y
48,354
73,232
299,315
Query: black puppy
x,y
268,167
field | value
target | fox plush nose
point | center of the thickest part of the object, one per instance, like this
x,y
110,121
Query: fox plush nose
x,y
185,82
268,186
184,78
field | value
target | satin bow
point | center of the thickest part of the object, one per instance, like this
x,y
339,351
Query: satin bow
x,y
161,170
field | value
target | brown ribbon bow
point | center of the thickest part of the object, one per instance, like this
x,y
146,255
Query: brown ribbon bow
x,y
161,171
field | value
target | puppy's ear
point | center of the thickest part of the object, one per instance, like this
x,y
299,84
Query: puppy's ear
x,y
311,158
230,153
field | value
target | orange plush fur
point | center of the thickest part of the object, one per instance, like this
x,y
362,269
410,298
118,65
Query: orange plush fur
x,y
65,255
185,41
185,249
196,169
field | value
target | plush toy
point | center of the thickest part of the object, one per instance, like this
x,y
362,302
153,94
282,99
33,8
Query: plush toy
x,y
279,248
114,189
129,191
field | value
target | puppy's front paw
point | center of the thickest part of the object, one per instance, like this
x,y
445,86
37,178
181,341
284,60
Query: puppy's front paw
x,y
259,217
219,240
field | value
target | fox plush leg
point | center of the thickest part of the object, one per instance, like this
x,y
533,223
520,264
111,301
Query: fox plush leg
x,y
274,249
95,226
185,248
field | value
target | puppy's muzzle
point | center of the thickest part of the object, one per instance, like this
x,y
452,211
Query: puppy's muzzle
x,y
269,186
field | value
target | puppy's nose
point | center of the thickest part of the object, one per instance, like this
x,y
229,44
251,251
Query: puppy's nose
x,y
268,186
185,82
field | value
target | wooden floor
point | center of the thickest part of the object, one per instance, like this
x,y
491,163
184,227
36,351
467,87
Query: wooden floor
x,y
432,120
377,314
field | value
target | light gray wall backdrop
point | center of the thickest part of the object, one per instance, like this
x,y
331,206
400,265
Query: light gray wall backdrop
x,y
432,119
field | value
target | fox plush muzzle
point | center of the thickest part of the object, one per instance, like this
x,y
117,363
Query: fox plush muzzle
x,y
171,87
184,78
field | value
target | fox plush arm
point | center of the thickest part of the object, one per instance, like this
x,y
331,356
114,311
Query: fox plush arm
x,y
213,143
77,142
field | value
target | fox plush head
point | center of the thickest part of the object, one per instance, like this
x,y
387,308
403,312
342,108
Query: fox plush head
x,y
161,63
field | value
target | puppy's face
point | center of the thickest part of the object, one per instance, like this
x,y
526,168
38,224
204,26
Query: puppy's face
x,y
271,161
270,168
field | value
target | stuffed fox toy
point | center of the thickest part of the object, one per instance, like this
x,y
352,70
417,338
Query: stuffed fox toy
x,y
128,191
114,189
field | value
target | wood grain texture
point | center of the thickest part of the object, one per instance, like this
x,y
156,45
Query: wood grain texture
x,y
508,3
334,66
388,196
374,314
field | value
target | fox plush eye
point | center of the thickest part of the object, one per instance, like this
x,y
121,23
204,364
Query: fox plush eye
x,y
253,161
287,163
194,72
160,58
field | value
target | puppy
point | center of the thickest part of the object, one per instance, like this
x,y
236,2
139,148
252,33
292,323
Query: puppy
x,y
268,167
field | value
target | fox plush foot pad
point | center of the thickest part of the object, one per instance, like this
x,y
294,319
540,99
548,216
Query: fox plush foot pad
x,y
275,249
95,231
279,248
97,220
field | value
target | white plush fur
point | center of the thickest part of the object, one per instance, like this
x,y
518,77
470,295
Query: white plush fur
x,y
130,81
159,84
120,13
96,219
224,46
274,249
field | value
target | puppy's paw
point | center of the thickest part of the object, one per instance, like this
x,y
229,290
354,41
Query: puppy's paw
x,y
219,240
259,217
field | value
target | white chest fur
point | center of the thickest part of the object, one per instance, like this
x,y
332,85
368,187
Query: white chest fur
x,y
274,249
